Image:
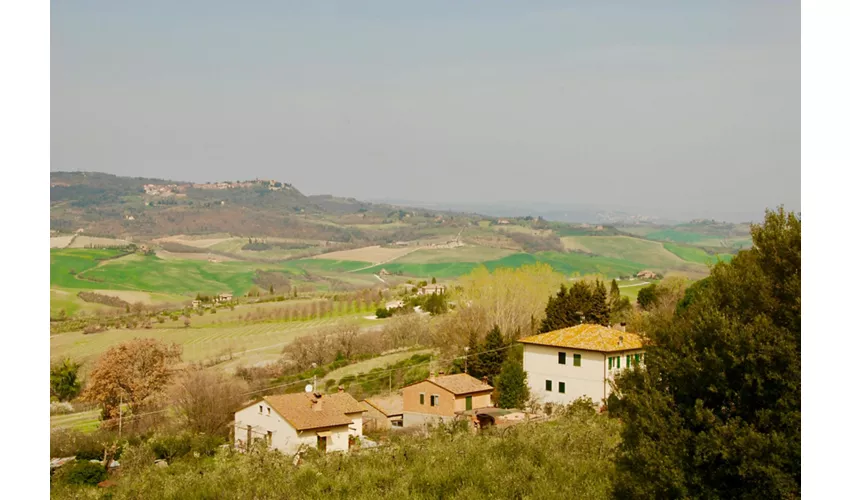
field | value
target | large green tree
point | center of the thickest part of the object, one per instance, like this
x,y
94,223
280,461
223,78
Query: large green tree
x,y
583,300
715,413
511,385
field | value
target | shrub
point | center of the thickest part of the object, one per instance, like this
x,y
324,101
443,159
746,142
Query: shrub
x,y
82,472
170,446
383,312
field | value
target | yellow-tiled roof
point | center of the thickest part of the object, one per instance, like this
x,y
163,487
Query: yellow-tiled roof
x,y
588,337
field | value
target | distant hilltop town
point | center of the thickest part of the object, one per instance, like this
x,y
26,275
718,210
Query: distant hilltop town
x,y
178,189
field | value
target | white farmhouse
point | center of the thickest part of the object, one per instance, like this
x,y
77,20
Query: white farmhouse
x,y
564,365
293,422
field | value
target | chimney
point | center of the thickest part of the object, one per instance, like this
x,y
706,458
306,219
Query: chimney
x,y
484,379
340,389
442,372
620,342
431,376
316,401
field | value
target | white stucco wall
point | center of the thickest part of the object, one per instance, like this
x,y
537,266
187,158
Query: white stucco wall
x,y
284,437
357,425
589,379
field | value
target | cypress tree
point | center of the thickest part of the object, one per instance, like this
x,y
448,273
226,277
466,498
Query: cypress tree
x,y
493,353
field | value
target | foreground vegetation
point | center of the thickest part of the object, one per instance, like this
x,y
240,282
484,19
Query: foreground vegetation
x,y
571,456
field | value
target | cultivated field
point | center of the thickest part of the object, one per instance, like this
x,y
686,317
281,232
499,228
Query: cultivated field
x,y
370,255
60,241
466,253
90,241
371,364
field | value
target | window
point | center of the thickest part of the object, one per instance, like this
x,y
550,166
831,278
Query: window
x,y
422,398
562,387
469,402
610,362
562,358
576,359
269,437
396,423
549,385
435,400
261,409
268,410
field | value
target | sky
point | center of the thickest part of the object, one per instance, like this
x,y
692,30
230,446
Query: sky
x,y
688,109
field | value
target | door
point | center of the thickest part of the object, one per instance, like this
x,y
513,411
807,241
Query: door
x,y
469,402
322,443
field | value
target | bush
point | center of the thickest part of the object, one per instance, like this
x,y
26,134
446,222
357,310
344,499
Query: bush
x,y
382,313
81,472
170,446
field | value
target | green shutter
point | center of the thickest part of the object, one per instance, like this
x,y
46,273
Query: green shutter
x,y
469,402
618,361
576,359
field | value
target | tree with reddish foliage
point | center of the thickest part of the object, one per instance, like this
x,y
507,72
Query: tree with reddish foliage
x,y
136,372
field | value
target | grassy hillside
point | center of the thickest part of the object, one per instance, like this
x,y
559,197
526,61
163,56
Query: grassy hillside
x,y
696,254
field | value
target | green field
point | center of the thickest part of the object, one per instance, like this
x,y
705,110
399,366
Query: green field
x,y
65,263
695,254
650,254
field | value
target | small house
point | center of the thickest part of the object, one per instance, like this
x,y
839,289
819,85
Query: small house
x,y
293,422
443,398
225,297
383,412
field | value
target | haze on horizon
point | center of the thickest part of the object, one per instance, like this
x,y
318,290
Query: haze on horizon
x,y
678,109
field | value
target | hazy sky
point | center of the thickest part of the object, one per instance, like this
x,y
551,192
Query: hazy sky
x,y
673,107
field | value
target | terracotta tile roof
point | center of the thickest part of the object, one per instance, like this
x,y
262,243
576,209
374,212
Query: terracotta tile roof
x,y
460,383
344,402
298,410
388,405
588,337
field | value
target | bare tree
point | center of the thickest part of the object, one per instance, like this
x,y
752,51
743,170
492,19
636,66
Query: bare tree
x,y
207,399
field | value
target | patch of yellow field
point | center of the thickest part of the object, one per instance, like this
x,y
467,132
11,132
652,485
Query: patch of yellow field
x,y
132,296
374,254
60,241
165,255
193,241
86,241
571,243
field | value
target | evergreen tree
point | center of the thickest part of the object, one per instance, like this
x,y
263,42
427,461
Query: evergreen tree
x,y
271,289
716,410
566,309
493,354
511,385
614,294
598,312
64,384
473,357
433,280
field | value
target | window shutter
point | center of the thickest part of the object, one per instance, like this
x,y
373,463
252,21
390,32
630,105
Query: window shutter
x,y
618,361
576,359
